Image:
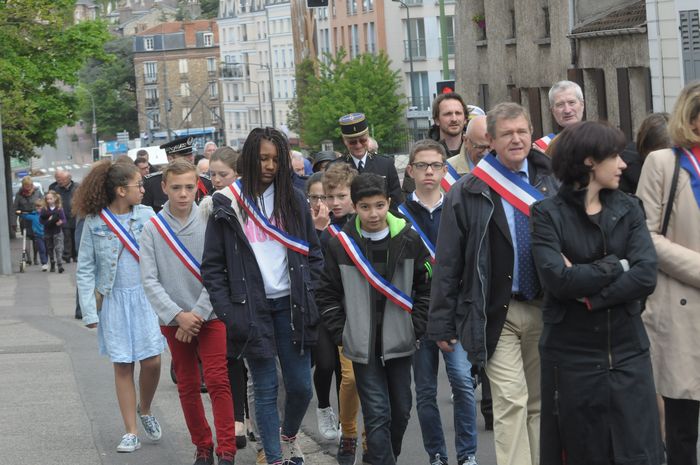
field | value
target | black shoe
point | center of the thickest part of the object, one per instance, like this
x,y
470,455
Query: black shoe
x,y
346,451
78,315
60,269
204,456
226,459
53,267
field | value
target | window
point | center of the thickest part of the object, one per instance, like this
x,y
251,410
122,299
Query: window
x,y
351,7
417,43
277,59
354,41
214,115
371,38
152,98
186,114
450,33
153,120
184,89
368,5
284,58
690,44
286,89
208,39
213,90
150,71
545,21
211,64
420,92
183,65
148,43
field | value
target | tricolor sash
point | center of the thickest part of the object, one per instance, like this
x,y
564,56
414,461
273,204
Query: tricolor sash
x,y
292,243
333,229
177,246
543,142
509,185
451,177
690,161
376,280
127,240
414,225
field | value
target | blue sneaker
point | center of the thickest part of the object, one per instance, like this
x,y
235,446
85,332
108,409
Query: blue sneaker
x,y
129,443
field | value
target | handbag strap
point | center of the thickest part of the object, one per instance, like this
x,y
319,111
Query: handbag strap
x,y
672,193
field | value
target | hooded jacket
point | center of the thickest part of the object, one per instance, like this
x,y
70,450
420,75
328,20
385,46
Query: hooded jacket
x,y
346,300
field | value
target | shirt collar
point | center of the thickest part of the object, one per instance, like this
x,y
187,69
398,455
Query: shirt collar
x,y
358,160
523,169
415,198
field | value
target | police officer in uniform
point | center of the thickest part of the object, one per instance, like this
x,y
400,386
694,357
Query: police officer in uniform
x,y
354,129
179,148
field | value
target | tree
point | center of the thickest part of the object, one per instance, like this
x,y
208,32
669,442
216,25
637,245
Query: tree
x,y
305,75
210,8
365,84
112,84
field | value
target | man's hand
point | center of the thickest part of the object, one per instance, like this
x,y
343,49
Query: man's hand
x,y
182,336
322,218
189,322
446,346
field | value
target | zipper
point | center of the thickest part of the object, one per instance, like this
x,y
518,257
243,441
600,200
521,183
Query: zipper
x,y
481,277
605,252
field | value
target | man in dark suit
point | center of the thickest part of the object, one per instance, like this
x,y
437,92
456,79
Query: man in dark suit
x,y
356,138
153,195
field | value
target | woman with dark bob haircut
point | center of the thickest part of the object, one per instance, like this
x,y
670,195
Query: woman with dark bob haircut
x,y
596,263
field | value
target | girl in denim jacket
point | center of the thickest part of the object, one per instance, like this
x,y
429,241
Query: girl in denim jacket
x,y
109,287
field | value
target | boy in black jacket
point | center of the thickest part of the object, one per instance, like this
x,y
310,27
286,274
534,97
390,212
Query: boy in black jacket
x,y
373,300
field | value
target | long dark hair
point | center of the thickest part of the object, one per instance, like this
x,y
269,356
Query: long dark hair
x,y
286,211
98,188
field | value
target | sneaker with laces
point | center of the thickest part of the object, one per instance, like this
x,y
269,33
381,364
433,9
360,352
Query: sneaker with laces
x,y
204,456
291,452
226,458
438,460
346,451
44,267
327,422
470,460
129,443
150,426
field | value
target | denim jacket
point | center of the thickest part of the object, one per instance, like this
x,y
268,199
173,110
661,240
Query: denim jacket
x,y
97,258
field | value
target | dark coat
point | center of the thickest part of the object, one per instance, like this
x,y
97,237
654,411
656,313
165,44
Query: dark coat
x,y
473,278
598,396
232,277
49,219
383,166
154,197
66,194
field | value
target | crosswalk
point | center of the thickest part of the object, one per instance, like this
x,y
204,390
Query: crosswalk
x,y
53,169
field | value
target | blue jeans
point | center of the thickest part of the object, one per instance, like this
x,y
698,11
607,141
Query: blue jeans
x,y
296,373
385,395
41,247
425,369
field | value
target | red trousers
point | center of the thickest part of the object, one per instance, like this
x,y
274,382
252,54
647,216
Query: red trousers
x,y
209,347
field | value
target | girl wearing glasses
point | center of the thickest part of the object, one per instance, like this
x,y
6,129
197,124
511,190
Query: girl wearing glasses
x,y
109,287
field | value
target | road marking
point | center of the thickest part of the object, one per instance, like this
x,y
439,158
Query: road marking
x,y
77,167
51,170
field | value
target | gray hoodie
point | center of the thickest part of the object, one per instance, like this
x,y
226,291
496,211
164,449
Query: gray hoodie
x,y
170,287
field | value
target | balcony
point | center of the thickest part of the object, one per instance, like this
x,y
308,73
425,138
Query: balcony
x,y
232,71
419,103
413,2
150,78
417,49
152,103
450,46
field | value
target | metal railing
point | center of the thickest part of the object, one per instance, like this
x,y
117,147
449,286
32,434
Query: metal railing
x,y
417,49
419,102
151,103
450,45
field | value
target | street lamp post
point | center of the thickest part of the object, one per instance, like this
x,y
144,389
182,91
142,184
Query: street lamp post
x,y
410,46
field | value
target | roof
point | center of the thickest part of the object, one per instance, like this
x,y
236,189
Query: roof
x,y
190,28
628,19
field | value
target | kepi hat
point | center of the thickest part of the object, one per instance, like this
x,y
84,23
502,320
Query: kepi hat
x,y
178,147
353,125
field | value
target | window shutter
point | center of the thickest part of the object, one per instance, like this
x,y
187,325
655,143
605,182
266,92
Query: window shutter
x,y
690,44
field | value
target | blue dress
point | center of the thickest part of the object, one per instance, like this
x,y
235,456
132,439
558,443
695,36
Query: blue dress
x,y
128,330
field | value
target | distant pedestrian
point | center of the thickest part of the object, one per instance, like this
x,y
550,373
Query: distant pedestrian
x,y
53,218
38,231
143,166
111,294
66,187
26,197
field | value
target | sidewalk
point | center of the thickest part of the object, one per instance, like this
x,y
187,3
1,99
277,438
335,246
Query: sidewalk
x,y
57,398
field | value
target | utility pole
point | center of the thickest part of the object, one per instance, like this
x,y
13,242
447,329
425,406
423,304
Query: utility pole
x,y
443,40
5,253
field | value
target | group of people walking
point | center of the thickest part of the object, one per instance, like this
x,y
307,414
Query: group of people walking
x,y
520,263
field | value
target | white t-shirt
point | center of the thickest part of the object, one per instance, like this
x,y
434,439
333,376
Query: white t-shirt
x,y
270,254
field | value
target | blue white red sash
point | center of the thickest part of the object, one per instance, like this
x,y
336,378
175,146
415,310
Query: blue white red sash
x,y
414,225
690,161
376,280
122,234
451,177
292,243
509,185
177,246
333,229
543,142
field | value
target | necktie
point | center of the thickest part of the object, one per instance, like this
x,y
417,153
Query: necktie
x,y
360,166
528,283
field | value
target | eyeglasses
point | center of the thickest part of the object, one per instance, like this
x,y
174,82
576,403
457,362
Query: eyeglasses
x,y
316,198
360,141
138,184
479,147
421,166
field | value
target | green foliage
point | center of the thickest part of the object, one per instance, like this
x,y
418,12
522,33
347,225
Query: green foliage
x,y
305,75
112,83
42,52
365,84
210,8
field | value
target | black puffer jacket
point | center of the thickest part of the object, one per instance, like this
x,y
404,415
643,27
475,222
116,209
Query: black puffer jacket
x,y
232,277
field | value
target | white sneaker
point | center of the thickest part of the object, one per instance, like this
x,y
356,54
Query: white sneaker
x,y
327,422
129,443
151,426
45,267
470,460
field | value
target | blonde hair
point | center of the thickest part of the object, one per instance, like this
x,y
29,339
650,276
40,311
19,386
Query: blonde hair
x,y
59,200
179,166
686,110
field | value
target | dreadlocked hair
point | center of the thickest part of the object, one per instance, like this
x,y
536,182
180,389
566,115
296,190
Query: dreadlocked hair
x,y
286,211
97,190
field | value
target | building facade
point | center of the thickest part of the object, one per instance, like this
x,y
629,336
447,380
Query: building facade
x,y
515,50
177,81
257,55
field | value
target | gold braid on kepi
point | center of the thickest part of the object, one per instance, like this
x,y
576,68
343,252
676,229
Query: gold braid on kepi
x,y
353,125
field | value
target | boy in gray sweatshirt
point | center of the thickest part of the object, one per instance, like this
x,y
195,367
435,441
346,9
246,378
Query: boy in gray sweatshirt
x,y
171,249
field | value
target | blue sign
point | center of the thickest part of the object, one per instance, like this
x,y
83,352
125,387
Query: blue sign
x,y
114,146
